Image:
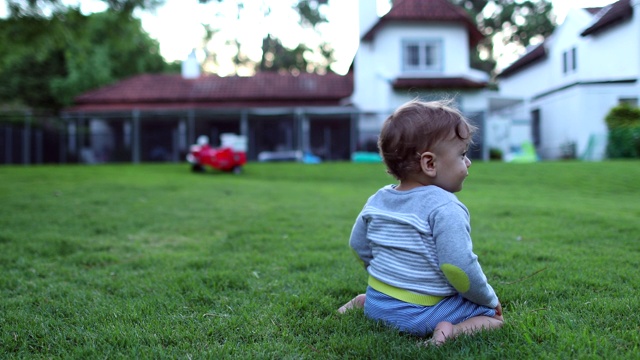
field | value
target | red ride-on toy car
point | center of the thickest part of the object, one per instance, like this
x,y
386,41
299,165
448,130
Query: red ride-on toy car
x,y
225,158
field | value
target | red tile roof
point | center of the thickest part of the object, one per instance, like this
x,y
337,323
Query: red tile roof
x,y
438,83
609,16
173,91
426,11
534,55
593,10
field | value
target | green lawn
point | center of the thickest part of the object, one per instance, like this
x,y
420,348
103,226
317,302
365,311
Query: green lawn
x,y
153,261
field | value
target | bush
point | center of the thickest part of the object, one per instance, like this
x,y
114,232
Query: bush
x,y
624,142
623,122
623,115
495,154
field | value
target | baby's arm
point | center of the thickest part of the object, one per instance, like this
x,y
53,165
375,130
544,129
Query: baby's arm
x,y
451,232
358,241
362,250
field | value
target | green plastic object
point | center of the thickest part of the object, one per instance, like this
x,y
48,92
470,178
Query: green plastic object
x,y
363,156
527,154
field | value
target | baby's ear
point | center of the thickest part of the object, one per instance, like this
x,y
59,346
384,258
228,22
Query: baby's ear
x,y
428,163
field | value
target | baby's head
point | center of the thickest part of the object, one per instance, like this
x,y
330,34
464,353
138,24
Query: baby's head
x,y
416,127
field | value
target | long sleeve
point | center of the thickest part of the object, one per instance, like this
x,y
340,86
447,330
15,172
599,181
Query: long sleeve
x,y
451,232
358,241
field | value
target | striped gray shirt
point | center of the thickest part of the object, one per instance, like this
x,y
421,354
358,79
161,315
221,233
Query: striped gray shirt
x,y
404,237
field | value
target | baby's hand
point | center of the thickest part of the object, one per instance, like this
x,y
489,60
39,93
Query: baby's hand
x,y
499,312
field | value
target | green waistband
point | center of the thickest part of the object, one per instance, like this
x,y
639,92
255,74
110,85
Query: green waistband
x,y
404,295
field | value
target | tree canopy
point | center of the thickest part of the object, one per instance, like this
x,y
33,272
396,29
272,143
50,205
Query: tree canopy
x,y
36,7
46,61
509,22
275,56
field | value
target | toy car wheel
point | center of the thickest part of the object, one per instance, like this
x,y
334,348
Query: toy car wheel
x,y
197,168
237,170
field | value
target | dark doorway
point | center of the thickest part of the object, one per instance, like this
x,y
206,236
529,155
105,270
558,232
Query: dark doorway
x,y
271,133
330,138
535,128
214,127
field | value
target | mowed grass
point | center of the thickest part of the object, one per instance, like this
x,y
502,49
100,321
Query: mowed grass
x,y
153,261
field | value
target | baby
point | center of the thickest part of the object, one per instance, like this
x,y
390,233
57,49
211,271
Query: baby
x,y
414,237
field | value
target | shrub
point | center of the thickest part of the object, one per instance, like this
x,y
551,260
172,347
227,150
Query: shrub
x,y
623,122
495,154
623,115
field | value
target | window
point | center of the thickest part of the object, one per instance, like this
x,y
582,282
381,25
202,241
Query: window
x,y
422,55
629,101
569,61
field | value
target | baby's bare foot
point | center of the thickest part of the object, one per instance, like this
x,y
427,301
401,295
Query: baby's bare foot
x,y
356,302
442,331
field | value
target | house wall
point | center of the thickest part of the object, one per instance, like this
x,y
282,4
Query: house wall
x,y
527,83
573,105
622,40
473,100
379,62
507,125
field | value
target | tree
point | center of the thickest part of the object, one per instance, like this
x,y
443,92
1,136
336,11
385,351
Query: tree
x,y
46,62
508,21
299,58
36,8
275,56
111,46
29,60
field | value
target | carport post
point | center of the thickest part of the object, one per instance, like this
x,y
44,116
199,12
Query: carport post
x,y
303,130
63,129
244,123
8,155
355,117
26,139
135,149
191,126
39,139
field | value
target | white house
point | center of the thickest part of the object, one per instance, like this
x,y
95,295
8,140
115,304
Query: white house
x,y
419,48
571,81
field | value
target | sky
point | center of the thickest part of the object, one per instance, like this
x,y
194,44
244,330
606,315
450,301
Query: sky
x,y
177,26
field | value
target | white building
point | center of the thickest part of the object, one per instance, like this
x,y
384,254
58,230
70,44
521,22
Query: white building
x,y
420,48
570,82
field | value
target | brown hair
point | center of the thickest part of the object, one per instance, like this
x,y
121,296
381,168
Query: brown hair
x,y
416,127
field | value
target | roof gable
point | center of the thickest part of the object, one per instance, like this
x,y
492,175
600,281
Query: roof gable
x,y
609,16
578,18
426,11
536,54
438,83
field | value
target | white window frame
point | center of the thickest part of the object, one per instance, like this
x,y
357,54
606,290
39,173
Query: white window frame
x,y
423,46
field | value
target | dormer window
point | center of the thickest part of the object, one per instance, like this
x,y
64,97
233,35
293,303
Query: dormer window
x,y
422,55
569,61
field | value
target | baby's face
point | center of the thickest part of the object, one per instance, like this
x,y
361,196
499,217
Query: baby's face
x,y
452,164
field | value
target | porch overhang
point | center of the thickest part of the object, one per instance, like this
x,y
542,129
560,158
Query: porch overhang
x,y
438,83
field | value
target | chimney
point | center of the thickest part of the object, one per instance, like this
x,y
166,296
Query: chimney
x,y
191,67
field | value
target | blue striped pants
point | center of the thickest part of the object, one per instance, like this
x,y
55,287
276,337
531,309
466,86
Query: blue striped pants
x,y
417,319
